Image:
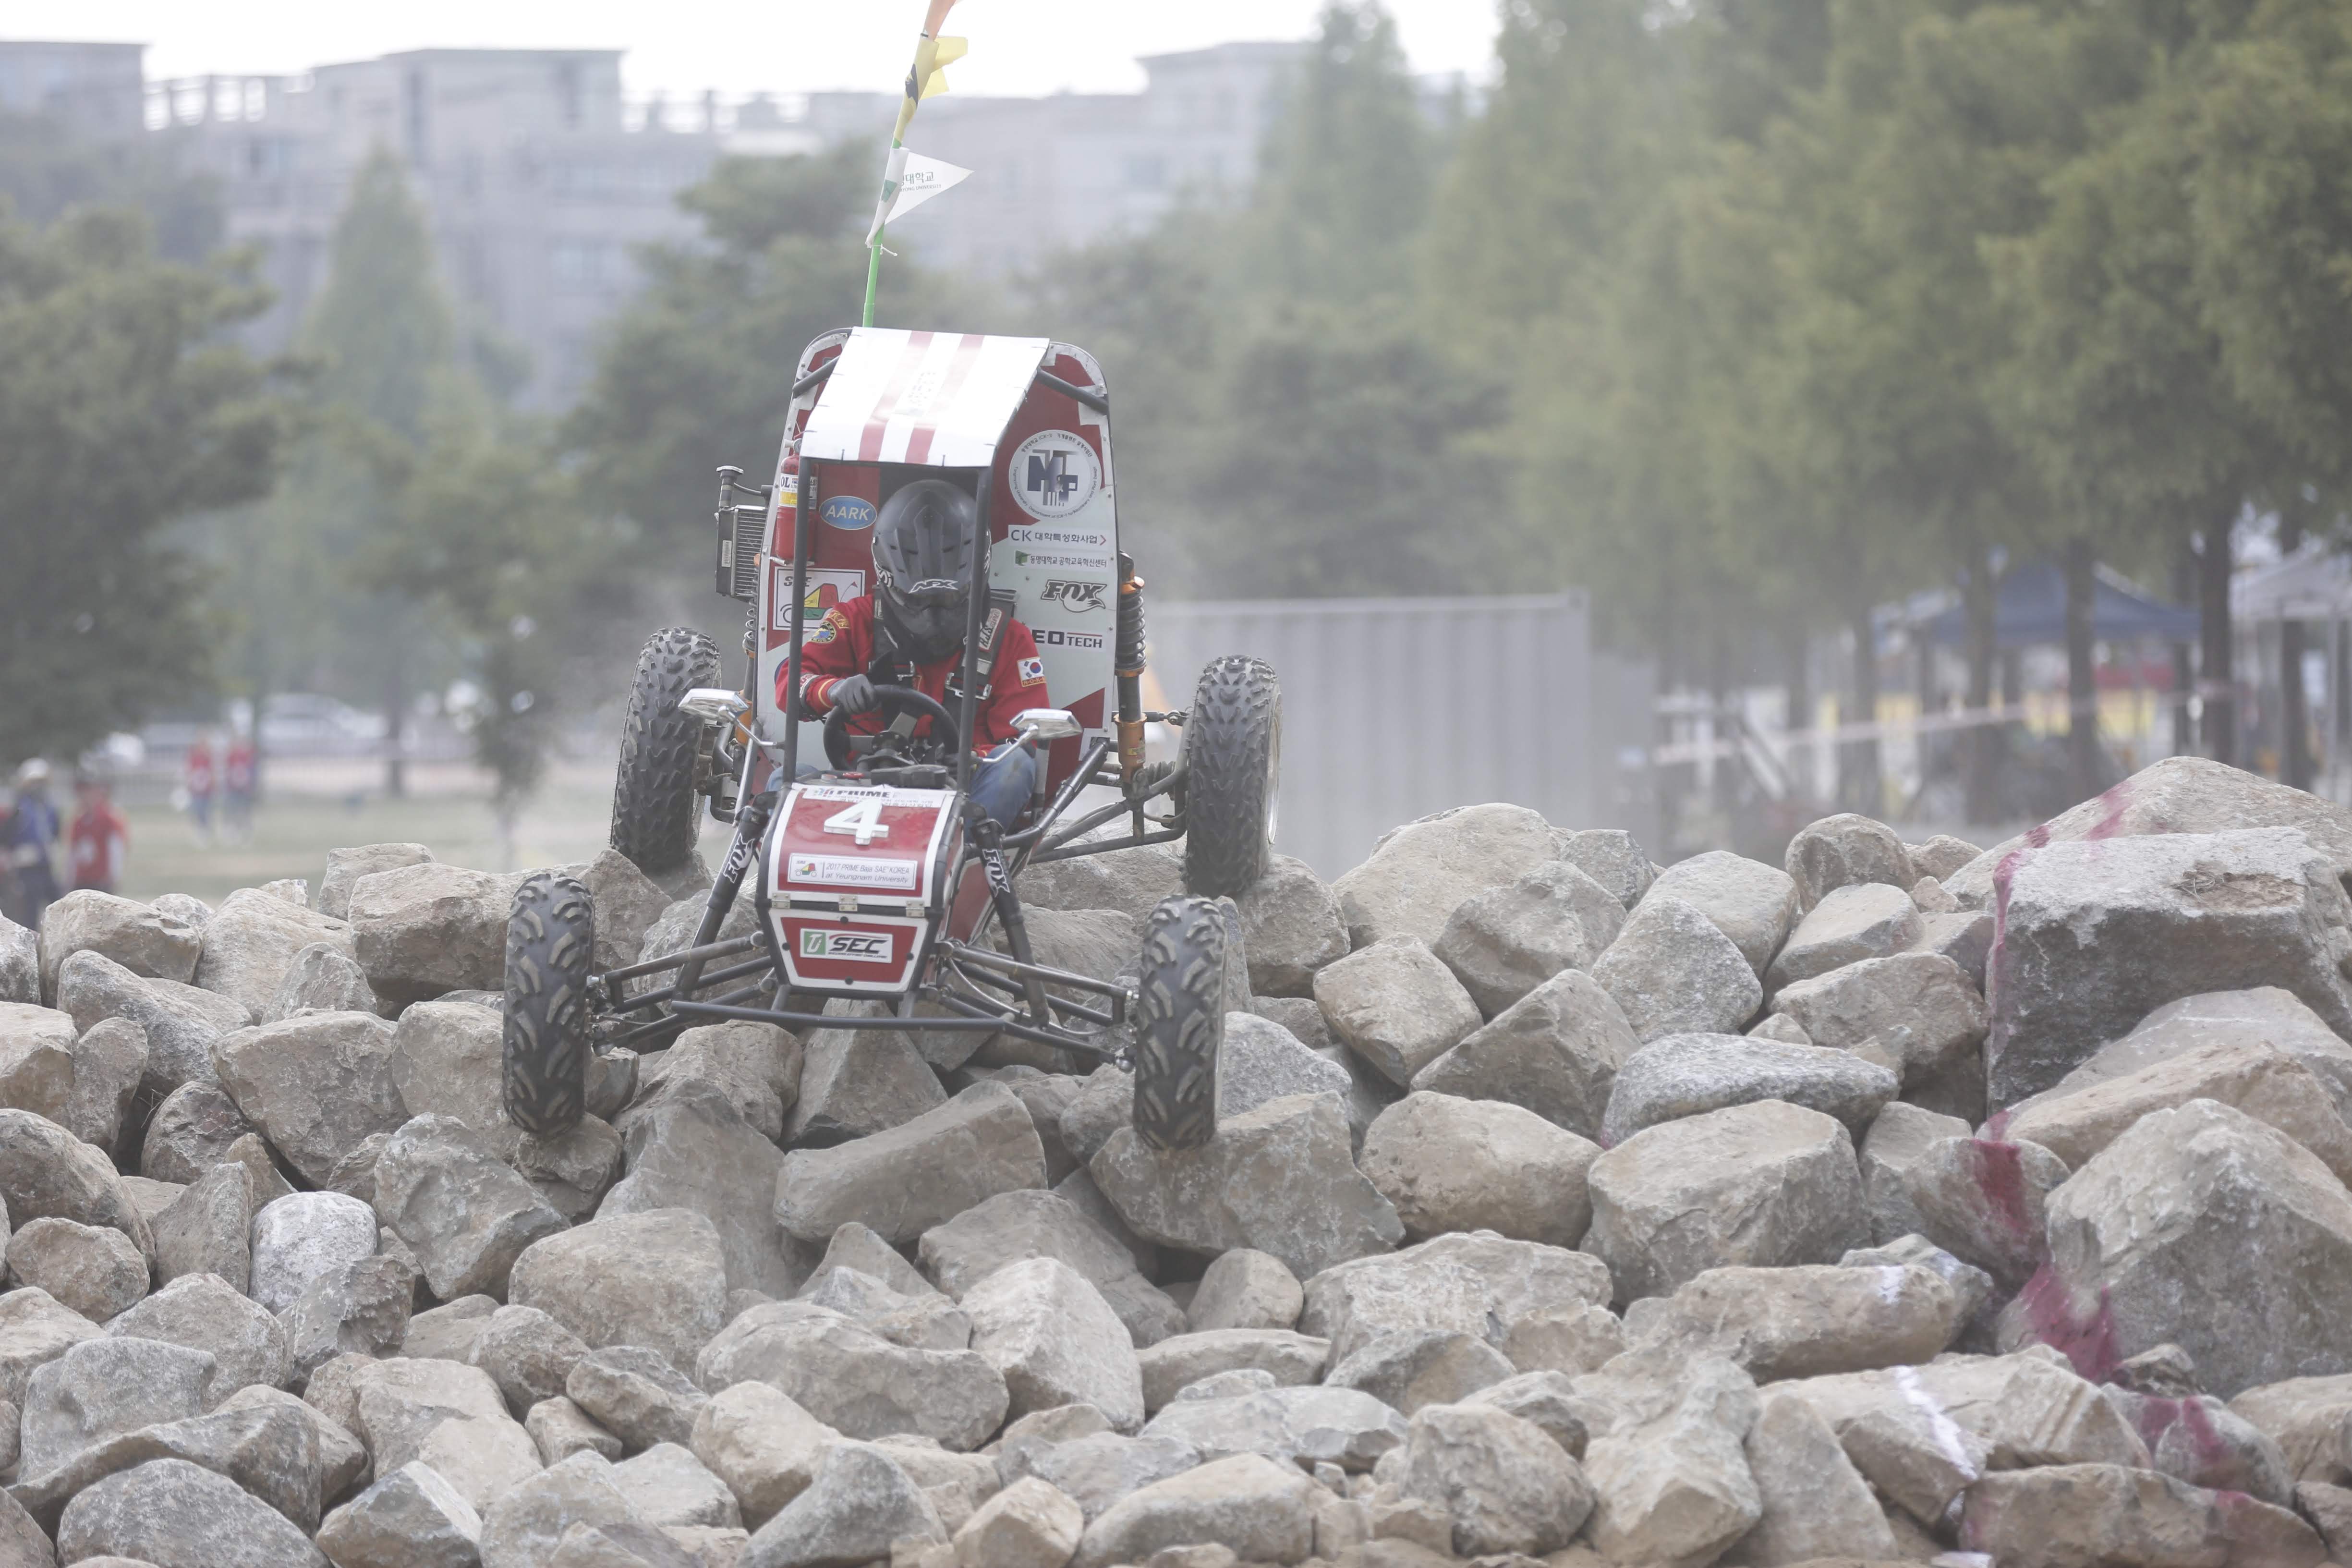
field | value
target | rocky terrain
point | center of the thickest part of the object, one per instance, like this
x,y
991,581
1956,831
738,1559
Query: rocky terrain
x,y
1903,1203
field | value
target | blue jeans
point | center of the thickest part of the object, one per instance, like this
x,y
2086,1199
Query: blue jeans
x,y
1003,782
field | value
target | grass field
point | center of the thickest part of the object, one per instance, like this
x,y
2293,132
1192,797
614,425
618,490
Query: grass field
x,y
447,810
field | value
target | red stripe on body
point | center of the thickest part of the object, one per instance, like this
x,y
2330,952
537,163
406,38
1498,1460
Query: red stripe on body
x,y
869,443
919,441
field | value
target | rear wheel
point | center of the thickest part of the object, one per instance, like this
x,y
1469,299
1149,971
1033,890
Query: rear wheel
x,y
551,939
1180,1026
652,791
1232,760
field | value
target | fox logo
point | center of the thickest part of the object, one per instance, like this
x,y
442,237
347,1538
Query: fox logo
x,y
1079,598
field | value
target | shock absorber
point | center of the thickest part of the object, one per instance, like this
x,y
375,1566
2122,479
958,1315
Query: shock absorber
x,y
1127,663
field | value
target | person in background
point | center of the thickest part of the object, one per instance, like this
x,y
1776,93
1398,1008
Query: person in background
x,y
98,838
32,831
238,776
200,780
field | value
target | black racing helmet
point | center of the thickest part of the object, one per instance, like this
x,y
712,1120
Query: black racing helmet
x,y
923,545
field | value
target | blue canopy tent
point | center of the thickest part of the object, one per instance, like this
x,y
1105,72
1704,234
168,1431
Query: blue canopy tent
x,y
2030,610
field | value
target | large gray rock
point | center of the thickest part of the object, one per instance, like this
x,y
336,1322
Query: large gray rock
x,y
1291,927
1258,1508
756,1066
422,929
315,1086
1609,856
1753,904
181,1022
251,943
207,1229
2114,1514
657,1279
1476,1283
323,978
46,1171
1245,1289
854,1381
1504,942
102,1388
20,964
694,1150
1054,1341
411,1517
446,1062
858,1082
303,1235
2265,1015
527,1525
635,1395
110,1061
1448,1164
1689,1075
2177,794
669,1486
625,902
528,1354
1857,922
1804,1322
1673,971
168,1513
1844,851
1130,880
1504,1483
762,1445
190,1133
1419,873
1015,1227
202,1312
1260,1060
1209,1199
1913,1012
1287,1360
34,1331
1409,1372
2202,1441
1814,1503
359,1307
573,1170
140,937
1555,1052
451,1418
272,1451
1899,1134
2186,1198
1395,1005
36,1059
92,1269
2094,935
346,866
903,1181
464,1213
1766,1185
858,1508
1965,937
1671,1473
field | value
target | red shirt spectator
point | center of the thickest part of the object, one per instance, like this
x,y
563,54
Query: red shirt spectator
x,y
97,841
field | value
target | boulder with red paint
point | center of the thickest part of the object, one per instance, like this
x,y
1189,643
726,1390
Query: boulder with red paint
x,y
2064,1515
2206,1228
1983,1201
2094,935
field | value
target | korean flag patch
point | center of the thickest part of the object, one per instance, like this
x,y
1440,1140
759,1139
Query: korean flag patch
x,y
1033,671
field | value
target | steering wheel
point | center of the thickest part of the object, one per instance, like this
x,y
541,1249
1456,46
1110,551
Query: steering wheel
x,y
891,698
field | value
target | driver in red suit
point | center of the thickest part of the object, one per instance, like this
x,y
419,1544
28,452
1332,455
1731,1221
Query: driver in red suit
x,y
910,632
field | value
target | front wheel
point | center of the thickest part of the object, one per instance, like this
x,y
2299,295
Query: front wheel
x,y
652,790
1180,1023
543,1057
1232,764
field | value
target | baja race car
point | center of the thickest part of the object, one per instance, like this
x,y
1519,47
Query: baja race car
x,y
873,874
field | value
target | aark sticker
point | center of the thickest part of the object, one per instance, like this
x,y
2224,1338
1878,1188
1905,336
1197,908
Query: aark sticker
x,y
1053,474
851,514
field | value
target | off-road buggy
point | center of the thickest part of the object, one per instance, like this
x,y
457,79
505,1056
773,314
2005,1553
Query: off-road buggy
x,y
873,875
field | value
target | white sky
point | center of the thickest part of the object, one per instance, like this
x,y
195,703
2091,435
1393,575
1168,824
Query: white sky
x,y
1019,47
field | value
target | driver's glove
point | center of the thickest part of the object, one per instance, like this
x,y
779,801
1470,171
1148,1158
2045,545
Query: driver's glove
x,y
854,694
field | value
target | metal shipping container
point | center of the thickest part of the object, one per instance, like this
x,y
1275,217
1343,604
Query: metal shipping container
x,y
1392,709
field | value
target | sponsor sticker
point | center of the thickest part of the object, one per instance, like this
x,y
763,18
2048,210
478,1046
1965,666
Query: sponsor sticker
x,y
853,946
1077,598
827,586
852,871
1052,637
1053,474
850,514
1059,538
1061,559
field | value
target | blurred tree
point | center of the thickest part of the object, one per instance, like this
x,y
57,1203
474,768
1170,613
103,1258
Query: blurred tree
x,y
47,170
122,410
697,371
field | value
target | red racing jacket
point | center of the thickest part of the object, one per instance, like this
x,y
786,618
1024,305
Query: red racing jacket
x,y
843,645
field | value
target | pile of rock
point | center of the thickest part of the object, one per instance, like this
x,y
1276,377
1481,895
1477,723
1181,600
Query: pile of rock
x,y
1901,1202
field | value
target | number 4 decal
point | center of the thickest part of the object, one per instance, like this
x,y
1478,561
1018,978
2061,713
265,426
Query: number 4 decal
x,y
863,821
